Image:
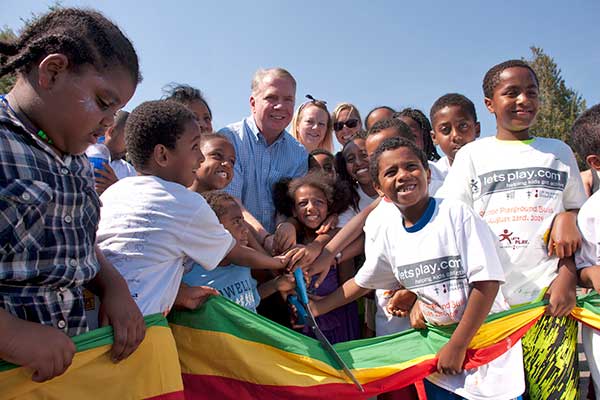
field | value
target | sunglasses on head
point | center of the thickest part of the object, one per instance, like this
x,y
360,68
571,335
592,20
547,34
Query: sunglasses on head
x,y
351,123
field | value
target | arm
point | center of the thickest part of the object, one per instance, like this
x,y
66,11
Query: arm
x,y
256,228
589,277
344,294
347,234
118,309
281,283
452,356
242,255
565,238
562,291
43,349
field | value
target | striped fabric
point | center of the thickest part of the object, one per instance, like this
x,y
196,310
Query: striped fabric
x,y
258,167
151,372
230,353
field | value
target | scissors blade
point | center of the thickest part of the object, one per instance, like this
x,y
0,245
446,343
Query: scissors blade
x,y
312,323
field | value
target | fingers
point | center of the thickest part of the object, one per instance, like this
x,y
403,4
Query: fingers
x,y
119,342
551,246
321,277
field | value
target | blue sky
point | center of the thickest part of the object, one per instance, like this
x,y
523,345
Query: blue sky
x,y
394,53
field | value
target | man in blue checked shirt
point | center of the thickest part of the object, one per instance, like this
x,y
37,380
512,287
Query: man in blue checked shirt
x,y
265,151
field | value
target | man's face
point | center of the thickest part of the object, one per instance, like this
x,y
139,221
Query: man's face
x,y
273,105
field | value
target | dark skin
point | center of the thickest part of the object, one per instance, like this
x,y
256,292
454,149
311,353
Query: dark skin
x,y
515,103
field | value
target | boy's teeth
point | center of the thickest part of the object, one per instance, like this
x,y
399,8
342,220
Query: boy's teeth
x,y
222,174
362,170
407,188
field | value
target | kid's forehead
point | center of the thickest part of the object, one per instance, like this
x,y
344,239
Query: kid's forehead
x,y
451,110
517,75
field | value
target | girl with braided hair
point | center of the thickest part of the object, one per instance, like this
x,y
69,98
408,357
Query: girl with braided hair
x,y
75,69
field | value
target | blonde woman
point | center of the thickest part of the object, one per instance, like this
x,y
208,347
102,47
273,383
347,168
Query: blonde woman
x,y
346,122
312,125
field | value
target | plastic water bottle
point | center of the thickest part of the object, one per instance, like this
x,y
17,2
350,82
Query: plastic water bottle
x,y
98,154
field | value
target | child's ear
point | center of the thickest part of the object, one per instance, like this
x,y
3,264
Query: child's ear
x,y
593,161
161,155
428,176
489,104
477,129
377,188
49,69
432,133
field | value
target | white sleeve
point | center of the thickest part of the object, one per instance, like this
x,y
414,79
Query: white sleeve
x,y
477,247
204,239
376,272
574,194
457,184
589,253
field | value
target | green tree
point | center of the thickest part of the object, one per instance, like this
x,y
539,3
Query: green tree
x,y
7,81
560,105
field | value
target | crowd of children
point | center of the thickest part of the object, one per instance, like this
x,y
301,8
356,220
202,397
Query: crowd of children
x,y
499,221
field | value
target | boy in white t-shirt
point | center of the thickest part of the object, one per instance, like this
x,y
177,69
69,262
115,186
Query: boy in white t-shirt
x,y
151,224
453,125
445,254
521,186
585,135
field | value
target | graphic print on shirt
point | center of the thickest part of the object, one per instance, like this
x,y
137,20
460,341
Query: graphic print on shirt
x,y
433,281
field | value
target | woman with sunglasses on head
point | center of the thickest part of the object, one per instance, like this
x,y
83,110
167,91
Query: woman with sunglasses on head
x,y
312,125
346,122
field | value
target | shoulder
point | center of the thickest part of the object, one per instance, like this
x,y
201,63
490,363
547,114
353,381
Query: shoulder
x,y
293,146
554,146
233,131
590,208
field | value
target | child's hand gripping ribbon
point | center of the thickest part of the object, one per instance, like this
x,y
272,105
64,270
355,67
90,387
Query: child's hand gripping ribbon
x,y
310,319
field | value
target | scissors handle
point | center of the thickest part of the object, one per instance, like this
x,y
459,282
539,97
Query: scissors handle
x,y
301,286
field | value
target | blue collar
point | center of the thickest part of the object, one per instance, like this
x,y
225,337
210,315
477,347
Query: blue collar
x,y
424,220
258,136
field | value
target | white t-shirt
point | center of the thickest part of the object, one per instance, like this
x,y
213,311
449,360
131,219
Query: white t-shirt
x,y
385,323
149,228
437,178
363,201
588,255
438,258
443,165
122,169
518,187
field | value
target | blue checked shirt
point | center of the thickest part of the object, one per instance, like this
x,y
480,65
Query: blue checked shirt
x,y
49,214
259,166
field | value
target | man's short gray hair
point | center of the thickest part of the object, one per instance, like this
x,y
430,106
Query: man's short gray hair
x,y
260,75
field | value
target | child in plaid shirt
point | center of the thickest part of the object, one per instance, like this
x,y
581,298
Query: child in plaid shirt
x,y
75,70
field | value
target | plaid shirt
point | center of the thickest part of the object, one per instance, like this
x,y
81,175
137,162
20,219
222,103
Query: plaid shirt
x,y
49,214
259,166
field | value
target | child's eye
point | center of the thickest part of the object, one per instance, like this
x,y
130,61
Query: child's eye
x,y
444,130
463,126
322,124
390,172
104,105
532,93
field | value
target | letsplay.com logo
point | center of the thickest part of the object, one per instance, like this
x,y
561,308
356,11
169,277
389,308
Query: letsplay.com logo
x,y
509,240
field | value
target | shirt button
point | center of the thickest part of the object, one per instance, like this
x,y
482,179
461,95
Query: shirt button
x,y
68,219
64,171
26,196
61,324
73,262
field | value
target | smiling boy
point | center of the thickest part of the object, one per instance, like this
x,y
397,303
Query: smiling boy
x,y
520,184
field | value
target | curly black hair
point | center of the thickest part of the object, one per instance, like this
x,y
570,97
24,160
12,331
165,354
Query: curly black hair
x,y
401,128
84,36
393,144
337,193
219,200
153,123
185,94
312,162
585,133
425,125
453,99
492,77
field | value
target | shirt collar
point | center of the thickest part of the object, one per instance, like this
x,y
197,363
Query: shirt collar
x,y
259,137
